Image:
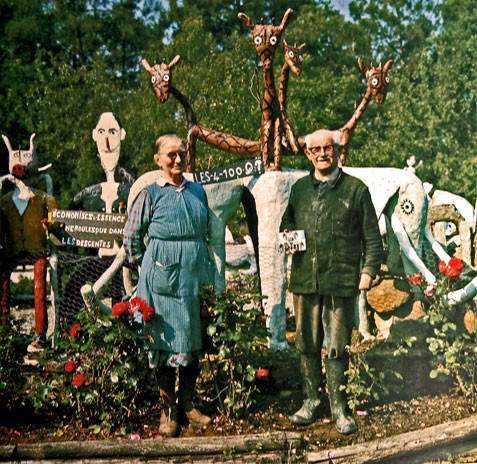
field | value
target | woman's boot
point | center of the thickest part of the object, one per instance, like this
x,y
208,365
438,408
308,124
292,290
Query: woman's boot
x,y
335,377
166,379
312,379
187,381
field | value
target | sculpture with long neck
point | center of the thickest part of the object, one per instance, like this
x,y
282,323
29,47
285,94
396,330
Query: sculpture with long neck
x,y
377,80
161,81
293,58
265,39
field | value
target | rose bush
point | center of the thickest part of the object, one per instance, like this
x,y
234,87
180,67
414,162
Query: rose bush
x,y
453,344
94,372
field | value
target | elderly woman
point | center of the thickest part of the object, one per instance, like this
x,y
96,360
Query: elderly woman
x,y
175,266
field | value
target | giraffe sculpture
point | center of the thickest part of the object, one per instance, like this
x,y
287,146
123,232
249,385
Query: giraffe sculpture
x,y
377,80
293,57
161,82
266,39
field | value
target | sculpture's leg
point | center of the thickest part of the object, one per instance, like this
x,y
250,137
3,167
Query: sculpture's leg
x,y
55,292
271,192
41,313
265,139
277,145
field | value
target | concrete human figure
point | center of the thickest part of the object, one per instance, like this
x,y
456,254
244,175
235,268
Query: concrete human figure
x,y
343,254
412,165
110,196
24,212
175,267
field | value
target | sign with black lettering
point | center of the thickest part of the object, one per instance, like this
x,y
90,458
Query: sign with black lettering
x,y
89,229
236,171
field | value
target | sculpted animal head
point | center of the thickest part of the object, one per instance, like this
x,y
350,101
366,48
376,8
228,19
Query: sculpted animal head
x,y
22,164
265,37
293,56
161,77
377,78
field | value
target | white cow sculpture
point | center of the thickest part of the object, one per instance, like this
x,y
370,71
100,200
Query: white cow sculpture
x,y
397,195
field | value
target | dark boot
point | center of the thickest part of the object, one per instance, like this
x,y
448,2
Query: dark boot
x,y
166,380
312,379
187,381
335,377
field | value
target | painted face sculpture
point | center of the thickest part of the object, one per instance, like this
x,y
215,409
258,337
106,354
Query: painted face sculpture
x,y
161,77
22,163
108,135
377,79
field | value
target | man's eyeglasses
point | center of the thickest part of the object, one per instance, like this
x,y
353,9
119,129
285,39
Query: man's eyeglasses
x,y
174,155
315,151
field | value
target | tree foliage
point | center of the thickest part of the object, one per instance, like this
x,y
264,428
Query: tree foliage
x,y
63,62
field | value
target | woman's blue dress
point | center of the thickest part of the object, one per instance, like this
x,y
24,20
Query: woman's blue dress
x,y
175,266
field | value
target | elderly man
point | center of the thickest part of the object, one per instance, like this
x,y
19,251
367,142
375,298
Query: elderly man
x,y
343,254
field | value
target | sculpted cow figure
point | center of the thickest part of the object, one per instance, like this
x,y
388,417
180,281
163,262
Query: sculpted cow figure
x,y
24,212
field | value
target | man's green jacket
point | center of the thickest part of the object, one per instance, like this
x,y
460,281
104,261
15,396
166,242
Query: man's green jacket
x,y
341,231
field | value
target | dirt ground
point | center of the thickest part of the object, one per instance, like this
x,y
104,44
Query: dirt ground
x,y
277,397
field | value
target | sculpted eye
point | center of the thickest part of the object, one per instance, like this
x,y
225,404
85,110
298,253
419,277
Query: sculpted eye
x,y
387,79
374,81
153,79
407,207
291,54
273,40
165,78
300,58
257,40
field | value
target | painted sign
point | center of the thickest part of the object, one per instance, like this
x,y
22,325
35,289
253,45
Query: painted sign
x,y
226,173
89,229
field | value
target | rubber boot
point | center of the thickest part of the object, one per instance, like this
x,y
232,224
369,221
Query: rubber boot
x,y
187,382
335,377
312,379
166,380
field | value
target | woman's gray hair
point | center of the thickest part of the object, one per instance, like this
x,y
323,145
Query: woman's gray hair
x,y
164,138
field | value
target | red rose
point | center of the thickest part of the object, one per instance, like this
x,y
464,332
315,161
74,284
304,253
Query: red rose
x,y
137,304
452,274
147,313
79,380
456,263
262,373
442,267
75,330
119,309
429,290
415,279
70,366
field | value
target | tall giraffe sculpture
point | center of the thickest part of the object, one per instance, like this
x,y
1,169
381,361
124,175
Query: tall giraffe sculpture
x,y
293,58
161,81
377,80
265,39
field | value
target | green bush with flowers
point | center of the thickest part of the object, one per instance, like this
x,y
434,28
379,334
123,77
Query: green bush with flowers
x,y
236,331
97,374
453,342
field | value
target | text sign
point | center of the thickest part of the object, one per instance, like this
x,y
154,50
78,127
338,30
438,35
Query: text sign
x,y
89,229
236,171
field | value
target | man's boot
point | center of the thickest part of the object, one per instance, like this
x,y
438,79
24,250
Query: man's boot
x,y
335,377
166,380
312,379
187,382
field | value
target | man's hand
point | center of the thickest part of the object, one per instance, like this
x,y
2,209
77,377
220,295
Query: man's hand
x,y
365,282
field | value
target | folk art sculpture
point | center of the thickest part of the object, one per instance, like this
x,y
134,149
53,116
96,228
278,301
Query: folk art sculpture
x,y
109,196
24,213
399,196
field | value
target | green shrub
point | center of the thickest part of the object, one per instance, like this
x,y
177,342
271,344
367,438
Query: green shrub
x,y
237,332
97,374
